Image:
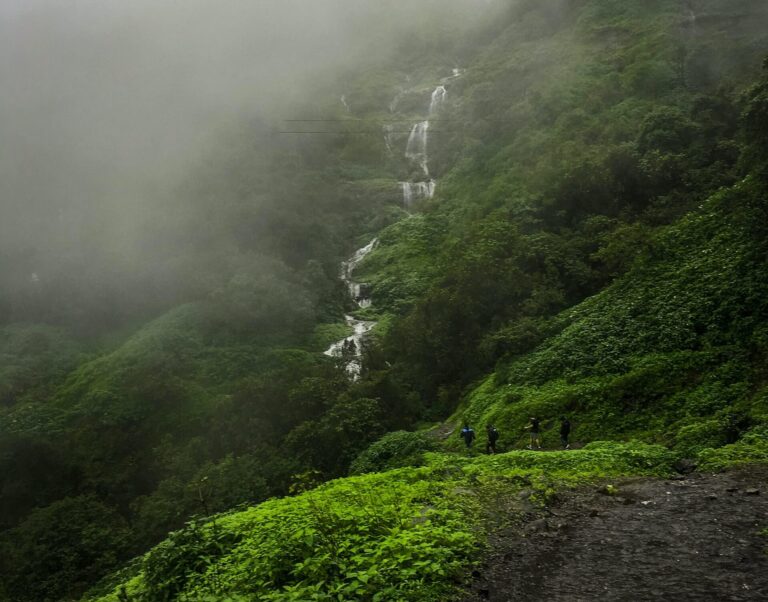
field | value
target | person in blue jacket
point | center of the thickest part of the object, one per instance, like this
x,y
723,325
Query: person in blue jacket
x,y
468,434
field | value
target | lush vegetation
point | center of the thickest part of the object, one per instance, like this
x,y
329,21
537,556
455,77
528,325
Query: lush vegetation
x,y
402,535
596,248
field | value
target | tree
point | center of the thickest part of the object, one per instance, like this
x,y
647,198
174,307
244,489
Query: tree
x,y
61,549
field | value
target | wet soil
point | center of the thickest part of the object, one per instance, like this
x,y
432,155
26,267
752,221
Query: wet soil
x,y
689,538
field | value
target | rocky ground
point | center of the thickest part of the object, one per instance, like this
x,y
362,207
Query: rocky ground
x,y
695,537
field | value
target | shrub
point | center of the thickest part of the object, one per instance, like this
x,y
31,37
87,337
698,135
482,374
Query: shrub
x,y
394,450
751,449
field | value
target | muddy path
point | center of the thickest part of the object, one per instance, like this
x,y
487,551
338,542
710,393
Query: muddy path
x,y
689,538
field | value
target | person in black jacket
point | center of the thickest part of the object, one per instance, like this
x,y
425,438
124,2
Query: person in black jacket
x,y
493,437
565,431
535,427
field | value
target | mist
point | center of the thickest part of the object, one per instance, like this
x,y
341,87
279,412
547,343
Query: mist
x,y
105,106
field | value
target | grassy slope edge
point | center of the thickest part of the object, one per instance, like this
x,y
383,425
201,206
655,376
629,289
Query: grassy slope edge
x,y
407,534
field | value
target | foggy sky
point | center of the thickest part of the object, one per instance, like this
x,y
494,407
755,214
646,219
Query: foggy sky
x,y
105,102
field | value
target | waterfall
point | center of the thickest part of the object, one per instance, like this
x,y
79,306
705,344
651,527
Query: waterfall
x,y
407,194
426,189
388,133
416,191
349,266
438,96
344,102
416,149
351,348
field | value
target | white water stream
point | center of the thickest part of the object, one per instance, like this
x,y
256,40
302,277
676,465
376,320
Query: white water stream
x,y
416,191
350,348
438,97
416,149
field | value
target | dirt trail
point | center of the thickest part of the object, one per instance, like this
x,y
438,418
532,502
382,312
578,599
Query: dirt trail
x,y
695,538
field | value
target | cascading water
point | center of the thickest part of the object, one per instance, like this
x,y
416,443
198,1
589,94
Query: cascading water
x,y
426,189
351,348
415,191
438,96
349,266
344,102
416,149
407,194
389,131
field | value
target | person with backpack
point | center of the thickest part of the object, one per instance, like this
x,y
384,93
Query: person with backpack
x,y
535,428
565,431
493,437
468,434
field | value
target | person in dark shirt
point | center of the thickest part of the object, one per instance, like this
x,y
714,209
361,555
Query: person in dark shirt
x,y
493,437
535,427
565,431
468,434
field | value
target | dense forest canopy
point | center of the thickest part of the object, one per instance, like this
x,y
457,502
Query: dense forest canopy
x,y
563,207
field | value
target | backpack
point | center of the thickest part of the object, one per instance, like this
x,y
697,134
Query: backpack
x,y
493,435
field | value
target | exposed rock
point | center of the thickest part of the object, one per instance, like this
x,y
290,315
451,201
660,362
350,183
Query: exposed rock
x,y
536,526
525,494
685,466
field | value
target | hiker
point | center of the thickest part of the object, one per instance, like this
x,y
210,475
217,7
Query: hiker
x,y
565,431
535,427
468,434
493,437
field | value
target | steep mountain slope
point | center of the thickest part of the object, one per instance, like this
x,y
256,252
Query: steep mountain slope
x,y
567,179
570,208
672,352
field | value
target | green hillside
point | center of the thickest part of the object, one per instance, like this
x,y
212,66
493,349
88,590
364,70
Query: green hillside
x,y
596,247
